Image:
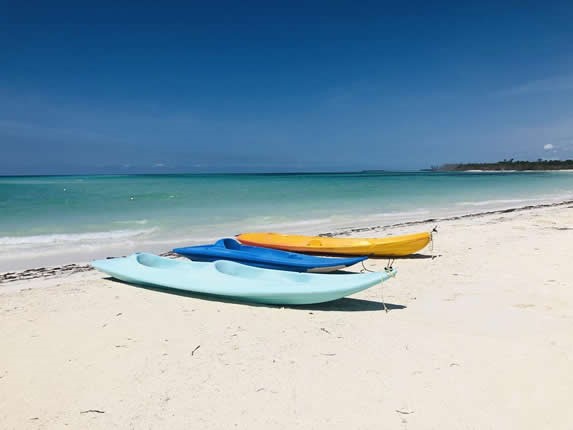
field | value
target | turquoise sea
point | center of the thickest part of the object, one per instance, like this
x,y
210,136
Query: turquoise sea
x,y
61,219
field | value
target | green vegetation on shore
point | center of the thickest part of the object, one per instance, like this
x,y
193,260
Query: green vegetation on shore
x,y
510,164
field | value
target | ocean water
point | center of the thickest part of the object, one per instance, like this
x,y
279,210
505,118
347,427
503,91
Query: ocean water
x,y
56,220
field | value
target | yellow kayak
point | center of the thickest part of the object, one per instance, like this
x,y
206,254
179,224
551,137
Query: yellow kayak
x,y
393,246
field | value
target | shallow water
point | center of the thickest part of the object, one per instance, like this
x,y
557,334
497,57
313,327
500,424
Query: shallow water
x,y
49,219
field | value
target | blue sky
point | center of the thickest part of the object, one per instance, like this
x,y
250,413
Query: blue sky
x,y
270,86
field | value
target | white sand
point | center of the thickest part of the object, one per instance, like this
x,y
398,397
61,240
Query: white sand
x,y
484,341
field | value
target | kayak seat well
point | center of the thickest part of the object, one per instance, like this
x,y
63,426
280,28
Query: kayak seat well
x,y
150,260
249,272
230,243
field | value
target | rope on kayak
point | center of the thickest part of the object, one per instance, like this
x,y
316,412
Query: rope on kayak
x,y
432,240
364,269
387,267
382,296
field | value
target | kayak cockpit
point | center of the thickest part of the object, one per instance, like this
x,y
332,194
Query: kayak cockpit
x,y
229,243
156,262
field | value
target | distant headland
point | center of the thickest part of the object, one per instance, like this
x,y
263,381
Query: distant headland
x,y
511,164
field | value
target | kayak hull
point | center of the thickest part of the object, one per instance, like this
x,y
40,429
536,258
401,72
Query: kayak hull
x,y
238,281
392,246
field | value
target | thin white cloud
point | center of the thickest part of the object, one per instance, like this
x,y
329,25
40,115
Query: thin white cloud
x,y
551,84
548,147
559,131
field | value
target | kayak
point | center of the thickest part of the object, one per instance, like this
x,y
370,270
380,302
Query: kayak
x,y
237,281
392,246
231,249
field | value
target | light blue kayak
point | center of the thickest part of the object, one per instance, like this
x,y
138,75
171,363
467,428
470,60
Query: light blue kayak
x,y
238,281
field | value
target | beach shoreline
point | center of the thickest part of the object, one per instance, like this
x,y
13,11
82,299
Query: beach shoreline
x,y
92,217
70,268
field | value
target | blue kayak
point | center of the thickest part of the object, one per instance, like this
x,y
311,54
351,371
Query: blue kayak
x,y
238,281
231,249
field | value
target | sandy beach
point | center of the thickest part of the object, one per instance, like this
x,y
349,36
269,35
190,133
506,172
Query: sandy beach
x,y
478,337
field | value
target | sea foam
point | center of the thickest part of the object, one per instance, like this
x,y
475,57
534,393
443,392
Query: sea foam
x,y
57,239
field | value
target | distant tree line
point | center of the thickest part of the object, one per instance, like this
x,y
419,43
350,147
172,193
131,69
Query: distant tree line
x,y
510,164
